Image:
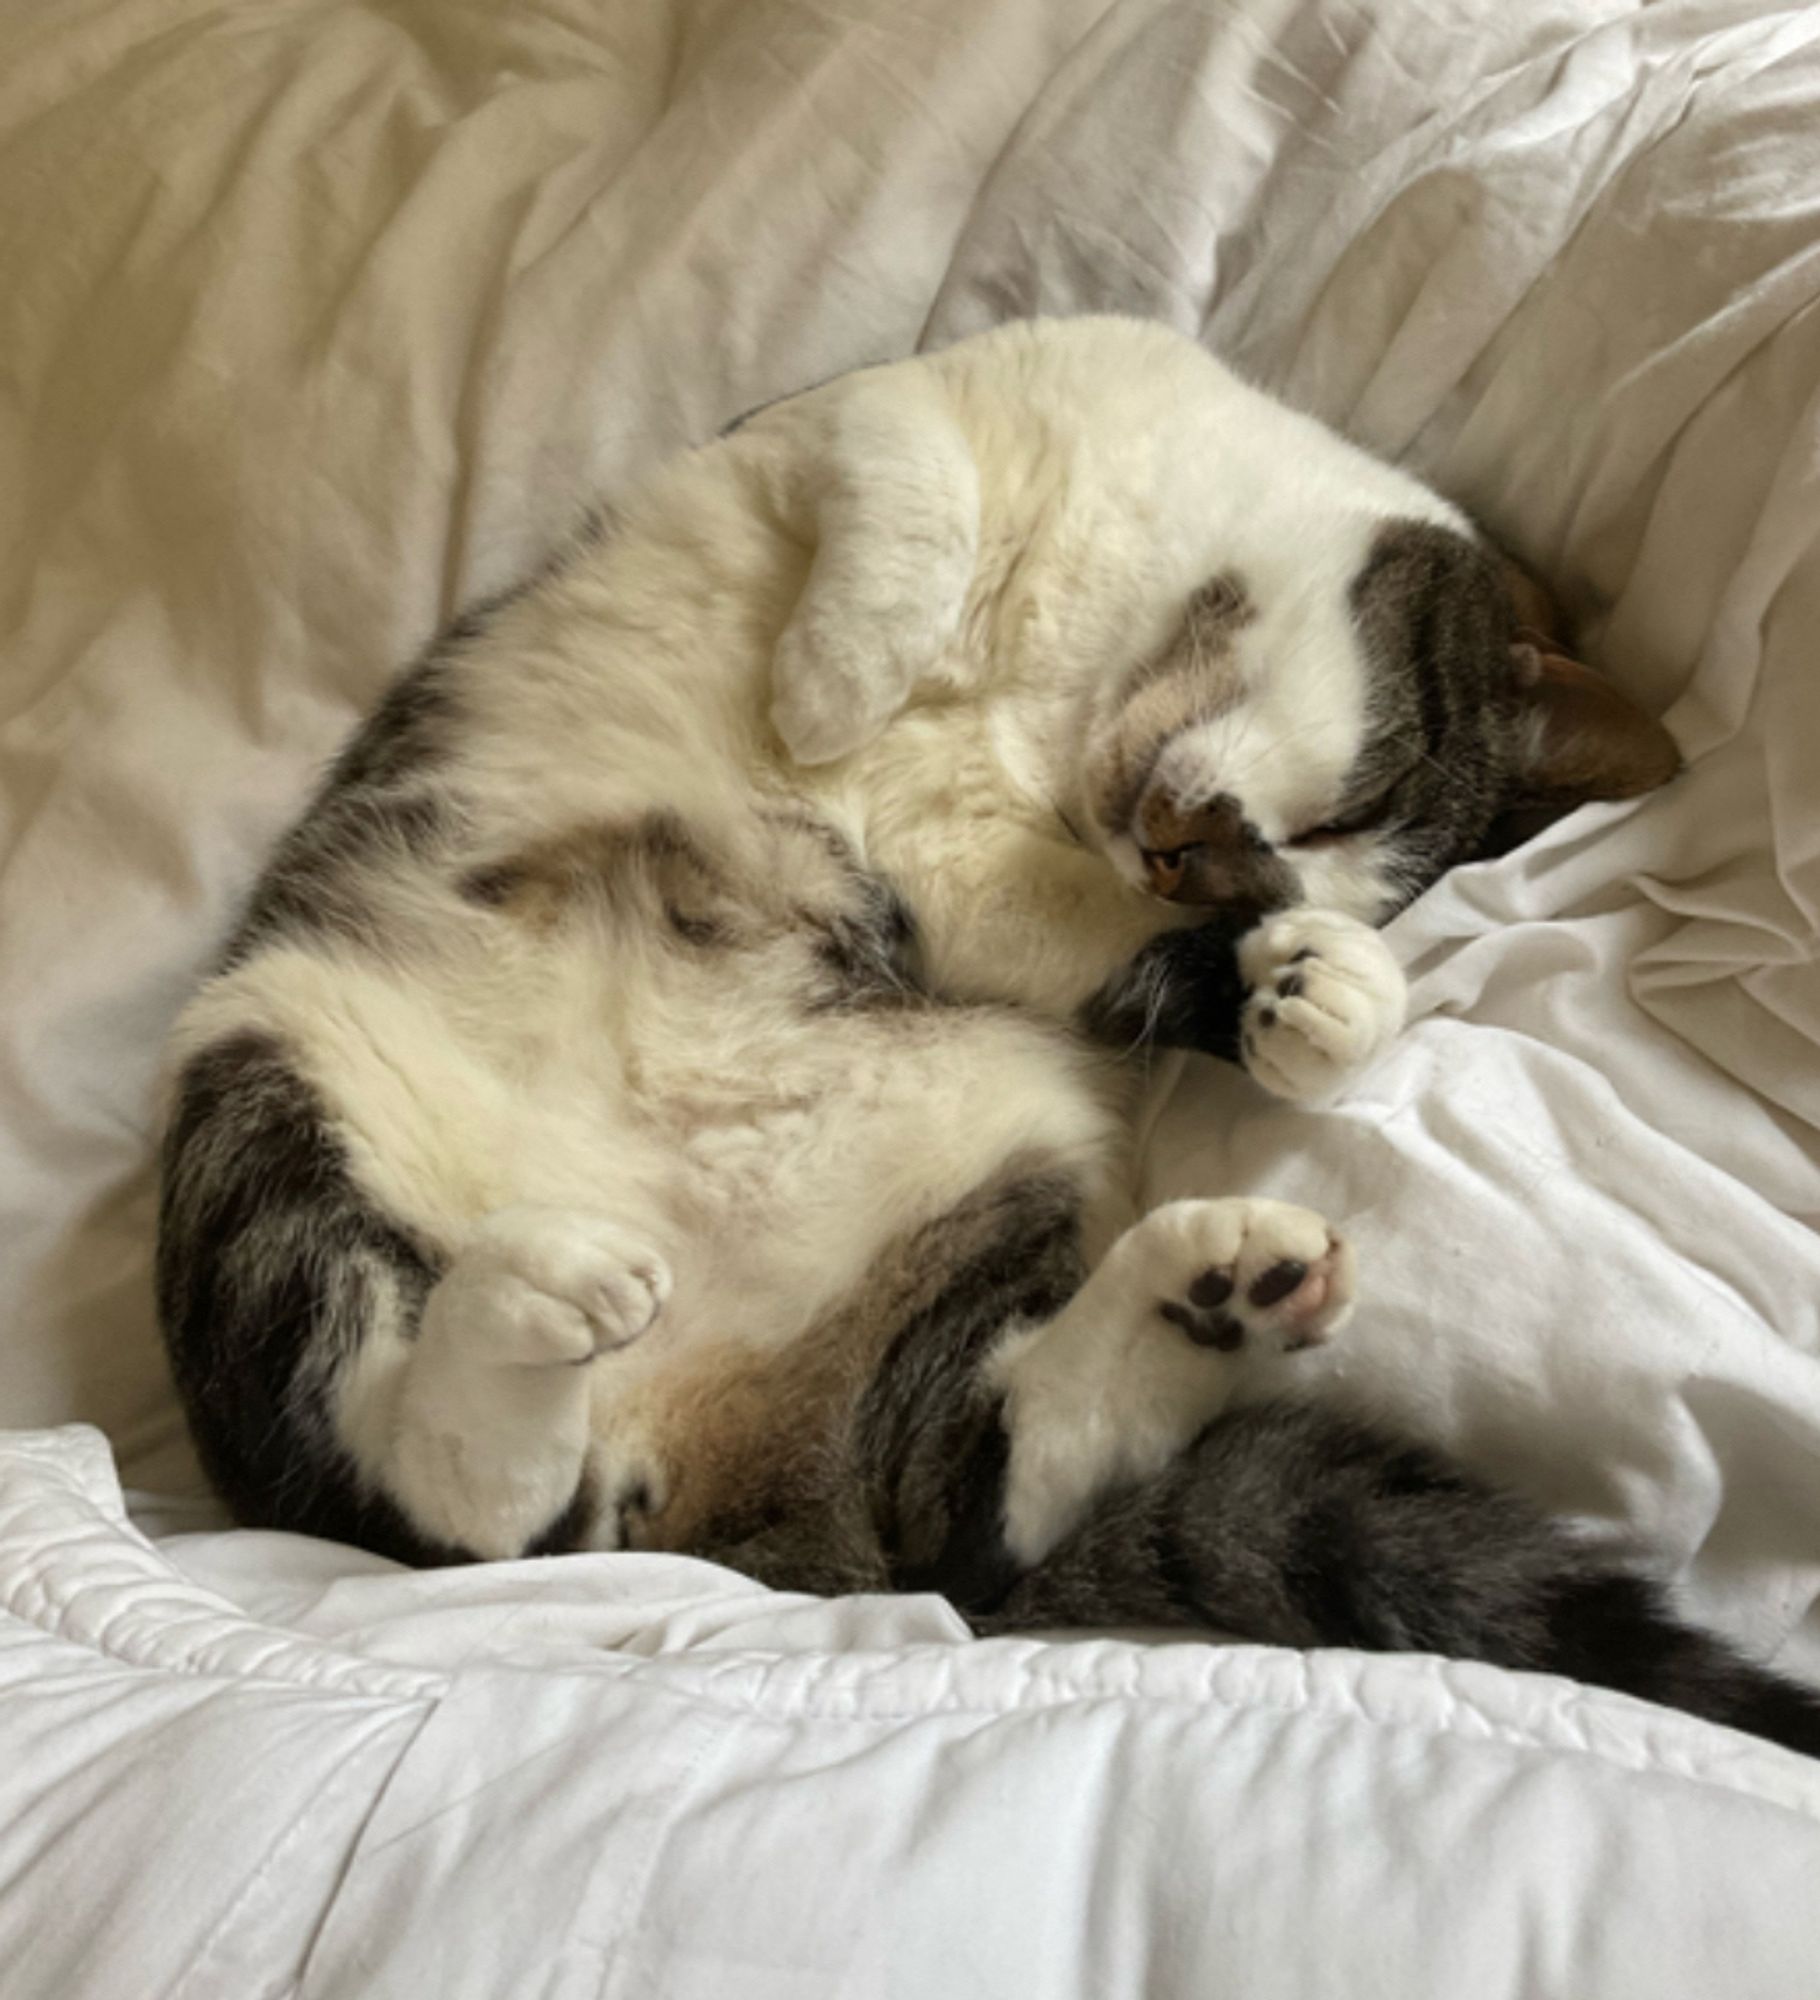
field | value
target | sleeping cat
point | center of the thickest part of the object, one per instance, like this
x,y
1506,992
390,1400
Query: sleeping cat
x,y
670,1089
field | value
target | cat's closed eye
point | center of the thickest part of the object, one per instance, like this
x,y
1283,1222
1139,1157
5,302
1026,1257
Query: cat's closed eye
x,y
1331,831
1366,818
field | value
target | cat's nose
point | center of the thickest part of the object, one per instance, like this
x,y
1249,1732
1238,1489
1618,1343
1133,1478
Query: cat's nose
x,y
1206,851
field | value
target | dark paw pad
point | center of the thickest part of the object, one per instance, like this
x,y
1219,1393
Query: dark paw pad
x,y
1289,986
1277,1283
1211,1288
1200,1318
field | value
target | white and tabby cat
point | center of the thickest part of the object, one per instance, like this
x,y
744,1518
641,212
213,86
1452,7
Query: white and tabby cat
x,y
667,1090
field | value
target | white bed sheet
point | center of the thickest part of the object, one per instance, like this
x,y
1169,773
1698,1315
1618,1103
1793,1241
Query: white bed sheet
x,y
631,1777
320,319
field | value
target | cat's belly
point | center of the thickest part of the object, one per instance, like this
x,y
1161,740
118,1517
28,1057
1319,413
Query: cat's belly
x,y
798,1166
796,1221
775,1201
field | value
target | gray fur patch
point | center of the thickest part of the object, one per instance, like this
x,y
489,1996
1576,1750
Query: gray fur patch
x,y
273,1266
929,1439
1295,1527
910,1494
866,948
383,802
1436,624
379,806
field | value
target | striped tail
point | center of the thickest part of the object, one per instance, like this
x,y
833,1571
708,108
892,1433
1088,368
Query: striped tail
x,y
1288,1525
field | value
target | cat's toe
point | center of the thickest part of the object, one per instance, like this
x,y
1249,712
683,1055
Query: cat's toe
x,y
1211,1288
623,1294
1304,1303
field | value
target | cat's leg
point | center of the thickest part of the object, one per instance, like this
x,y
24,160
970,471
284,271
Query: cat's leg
x,y
1150,1349
355,1369
894,494
489,1432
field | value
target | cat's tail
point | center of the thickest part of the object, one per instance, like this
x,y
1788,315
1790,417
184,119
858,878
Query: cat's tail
x,y
1289,1525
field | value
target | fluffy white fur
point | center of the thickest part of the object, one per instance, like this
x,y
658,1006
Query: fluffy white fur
x,y
946,562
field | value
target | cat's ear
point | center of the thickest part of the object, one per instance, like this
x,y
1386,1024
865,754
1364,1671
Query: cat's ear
x,y
1538,615
1580,738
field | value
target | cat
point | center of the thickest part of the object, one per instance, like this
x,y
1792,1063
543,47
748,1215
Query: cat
x,y
671,1089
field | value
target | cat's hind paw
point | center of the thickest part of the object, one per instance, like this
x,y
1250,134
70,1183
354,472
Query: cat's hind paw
x,y
492,1425
1152,1346
552,1285
1250,1276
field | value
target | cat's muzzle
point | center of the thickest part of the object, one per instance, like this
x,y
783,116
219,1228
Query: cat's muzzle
x,y
1208,853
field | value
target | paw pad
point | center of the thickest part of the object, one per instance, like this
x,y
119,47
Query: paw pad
x,y
1278,1282
1284,1284
1201,1318
1206,1326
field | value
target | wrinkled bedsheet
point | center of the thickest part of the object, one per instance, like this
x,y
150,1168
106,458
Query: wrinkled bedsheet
x,y
318,320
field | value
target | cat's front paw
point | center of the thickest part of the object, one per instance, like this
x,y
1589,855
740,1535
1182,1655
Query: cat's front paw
x,y
858,644
1324,996
896,506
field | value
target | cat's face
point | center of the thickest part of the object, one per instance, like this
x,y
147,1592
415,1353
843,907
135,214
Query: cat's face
x,y
1344,741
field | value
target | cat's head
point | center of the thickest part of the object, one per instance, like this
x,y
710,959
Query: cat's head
x,y
1345,747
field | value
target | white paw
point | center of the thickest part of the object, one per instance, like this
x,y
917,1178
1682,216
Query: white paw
x,y
1149,1350
1255,1277
896,504
552,1285
492,1427
1326,995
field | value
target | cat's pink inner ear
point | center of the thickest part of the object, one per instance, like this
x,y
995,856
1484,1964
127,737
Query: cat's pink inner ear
x,y
1582,738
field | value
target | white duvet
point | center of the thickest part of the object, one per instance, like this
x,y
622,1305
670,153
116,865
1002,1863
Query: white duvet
x,y
318,319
